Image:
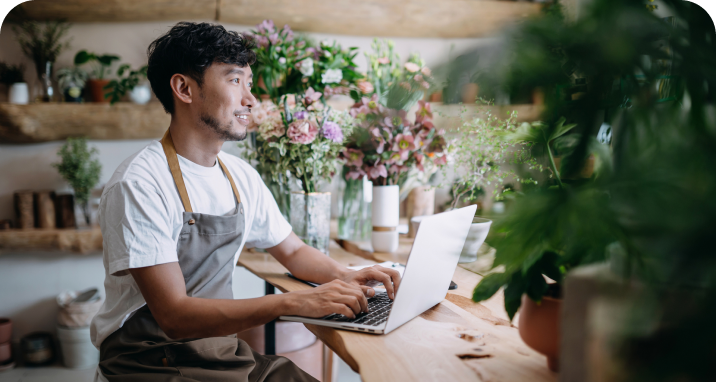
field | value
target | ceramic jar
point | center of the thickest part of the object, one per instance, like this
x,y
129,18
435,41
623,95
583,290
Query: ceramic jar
x,y
385,216
539,327
19,94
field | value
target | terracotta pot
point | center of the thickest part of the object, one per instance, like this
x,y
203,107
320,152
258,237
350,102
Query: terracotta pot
x,y
5,330
97,91
539,327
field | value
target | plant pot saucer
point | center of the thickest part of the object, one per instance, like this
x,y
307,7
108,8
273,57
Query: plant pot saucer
x,y
7,366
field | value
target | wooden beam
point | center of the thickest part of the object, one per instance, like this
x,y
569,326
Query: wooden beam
x,y
117,10
80,241
391,18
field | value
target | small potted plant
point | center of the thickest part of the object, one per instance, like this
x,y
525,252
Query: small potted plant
x,y
139,94
72,82
43,43
13,77
100,68
78,167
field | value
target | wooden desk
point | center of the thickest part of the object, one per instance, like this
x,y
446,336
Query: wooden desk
x,y
457,340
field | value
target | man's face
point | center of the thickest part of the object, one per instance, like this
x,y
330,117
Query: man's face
x,y
225,100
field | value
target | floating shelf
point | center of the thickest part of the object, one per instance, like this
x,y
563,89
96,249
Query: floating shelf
x,y
72,240
44,122
392,18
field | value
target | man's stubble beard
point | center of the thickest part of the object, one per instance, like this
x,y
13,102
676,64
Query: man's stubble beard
x,y
223,132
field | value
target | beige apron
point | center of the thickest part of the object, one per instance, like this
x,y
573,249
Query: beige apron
x,y
141,351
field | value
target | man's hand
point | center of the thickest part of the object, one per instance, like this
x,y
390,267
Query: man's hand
x,y
334,297
365,277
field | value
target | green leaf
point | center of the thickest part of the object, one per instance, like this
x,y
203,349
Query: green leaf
x,y
560,129
83,57
513,294
122,69
106,59
488,286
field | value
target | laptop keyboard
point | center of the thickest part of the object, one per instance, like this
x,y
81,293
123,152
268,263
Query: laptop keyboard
x,y
378,306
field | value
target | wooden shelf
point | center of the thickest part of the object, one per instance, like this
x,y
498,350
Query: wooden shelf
x,y
72,240
43,122
390,18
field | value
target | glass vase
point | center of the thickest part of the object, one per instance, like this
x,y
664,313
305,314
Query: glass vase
x,y
279,190
354,212
44,73
311,218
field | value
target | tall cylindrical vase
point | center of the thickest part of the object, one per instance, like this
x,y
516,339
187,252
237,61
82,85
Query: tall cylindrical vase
x,y
386,213
353,203
311,218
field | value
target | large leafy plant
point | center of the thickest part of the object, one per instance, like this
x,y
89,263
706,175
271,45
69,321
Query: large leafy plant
x,y
126,80
100,64
654,207
42,42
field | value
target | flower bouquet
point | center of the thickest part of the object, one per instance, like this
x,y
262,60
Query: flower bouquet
x,y
288,64
303,138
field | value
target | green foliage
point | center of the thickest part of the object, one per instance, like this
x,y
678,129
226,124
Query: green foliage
x,y
653,81
122,85
100,64
69,76
78,167
11,74
481,151
42,42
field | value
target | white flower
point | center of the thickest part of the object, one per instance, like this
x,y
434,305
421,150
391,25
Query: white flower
x,y
327,54
326,42
306,67
332,76
282,60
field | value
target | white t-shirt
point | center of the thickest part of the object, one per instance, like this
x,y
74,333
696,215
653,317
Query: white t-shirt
x,y
140,214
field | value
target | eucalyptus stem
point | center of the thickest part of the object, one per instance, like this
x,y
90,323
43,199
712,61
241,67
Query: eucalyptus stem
x,y
554,167
306,184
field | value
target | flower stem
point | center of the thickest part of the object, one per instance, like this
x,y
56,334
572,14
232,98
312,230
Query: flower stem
x,y
554,167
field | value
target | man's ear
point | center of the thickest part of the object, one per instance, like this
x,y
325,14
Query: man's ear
x,y
182,87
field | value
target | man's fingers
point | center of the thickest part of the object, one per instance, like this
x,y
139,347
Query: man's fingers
x,y
394,275
357,292
367,291
342,309
376,274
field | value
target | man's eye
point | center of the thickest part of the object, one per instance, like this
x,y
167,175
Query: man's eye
x,y
236,80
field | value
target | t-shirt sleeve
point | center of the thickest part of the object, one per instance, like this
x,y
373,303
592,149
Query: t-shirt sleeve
x,y
136,227
269,228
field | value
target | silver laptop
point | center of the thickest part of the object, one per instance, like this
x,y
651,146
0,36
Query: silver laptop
x,y
425,282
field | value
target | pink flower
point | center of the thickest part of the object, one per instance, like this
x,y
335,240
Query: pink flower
x,y
311,96
441,160
354,157
395,119
425,84
365,87
355,174
397,169
411,67
404,143
424,112
418,78
426,71
384,60
273,37
302,131
266,26
272,127
419,160
377,171
397,157
287,32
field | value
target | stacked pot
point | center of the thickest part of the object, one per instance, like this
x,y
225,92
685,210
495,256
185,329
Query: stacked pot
x,y
76,312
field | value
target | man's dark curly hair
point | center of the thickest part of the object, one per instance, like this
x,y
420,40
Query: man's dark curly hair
x,y
189,49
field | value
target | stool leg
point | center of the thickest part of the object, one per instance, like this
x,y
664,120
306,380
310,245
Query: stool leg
x,y
270,328
330,365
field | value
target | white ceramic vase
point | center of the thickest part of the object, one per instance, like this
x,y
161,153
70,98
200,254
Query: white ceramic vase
x,y
19,94
385,216
476,236
141,94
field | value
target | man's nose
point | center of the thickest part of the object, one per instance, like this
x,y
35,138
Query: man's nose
x,y
248,100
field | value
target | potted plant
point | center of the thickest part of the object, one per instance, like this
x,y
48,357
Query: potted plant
x,y
304,139
481,157
78,167
13,77
72,83
100,68
43,43
139,94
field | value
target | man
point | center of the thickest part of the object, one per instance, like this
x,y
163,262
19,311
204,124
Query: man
x,y
174,219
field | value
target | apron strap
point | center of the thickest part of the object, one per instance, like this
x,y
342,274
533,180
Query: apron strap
x,y
231,180
171,153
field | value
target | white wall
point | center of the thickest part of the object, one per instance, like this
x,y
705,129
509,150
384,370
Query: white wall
x,y
29,281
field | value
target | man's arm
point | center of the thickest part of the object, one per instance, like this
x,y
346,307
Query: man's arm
x,y
308,263
181,316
